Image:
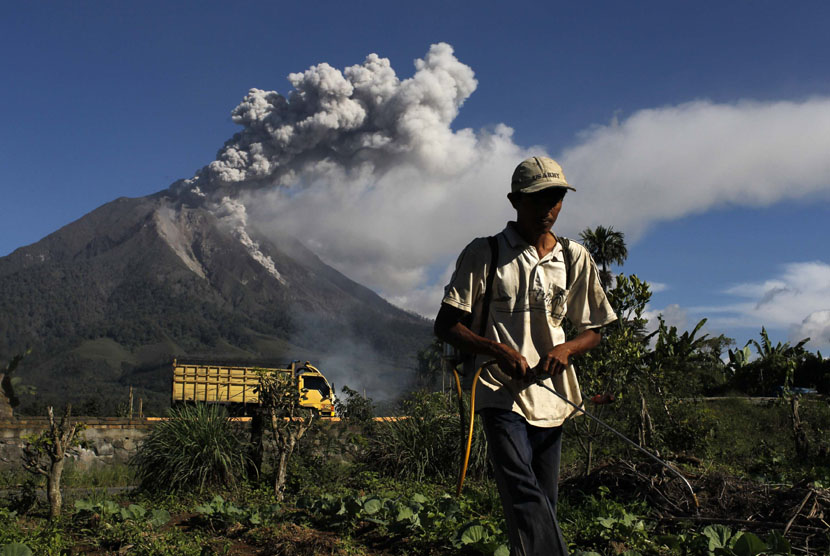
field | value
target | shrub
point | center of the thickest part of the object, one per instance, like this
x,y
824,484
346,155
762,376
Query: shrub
x,y
354,408
196,447
426,443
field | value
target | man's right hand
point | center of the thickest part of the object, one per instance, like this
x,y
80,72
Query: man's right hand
x,y
448,327
512,363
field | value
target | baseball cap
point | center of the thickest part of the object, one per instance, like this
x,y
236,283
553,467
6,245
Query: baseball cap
x,y
538,173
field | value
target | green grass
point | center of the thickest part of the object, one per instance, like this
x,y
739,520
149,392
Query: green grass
x,y
98,476
196,448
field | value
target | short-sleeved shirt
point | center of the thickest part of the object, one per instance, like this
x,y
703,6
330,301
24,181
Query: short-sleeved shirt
x,y
530,298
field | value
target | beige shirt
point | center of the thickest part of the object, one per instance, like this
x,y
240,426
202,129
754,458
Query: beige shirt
x,y
529,301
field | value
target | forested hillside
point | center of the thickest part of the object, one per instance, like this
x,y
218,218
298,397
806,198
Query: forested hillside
x,y
107,302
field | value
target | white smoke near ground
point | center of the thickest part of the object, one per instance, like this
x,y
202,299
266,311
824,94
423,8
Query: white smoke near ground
x,y
365,168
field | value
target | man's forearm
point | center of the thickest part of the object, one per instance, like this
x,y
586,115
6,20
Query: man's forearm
x,y
461,337
448,327
583,342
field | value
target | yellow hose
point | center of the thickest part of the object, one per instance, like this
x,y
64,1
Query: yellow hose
x,y
466,460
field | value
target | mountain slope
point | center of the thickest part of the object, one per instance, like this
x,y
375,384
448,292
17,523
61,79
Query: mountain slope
x,y
108,300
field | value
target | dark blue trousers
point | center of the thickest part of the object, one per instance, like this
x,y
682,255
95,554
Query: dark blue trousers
x,y
526,463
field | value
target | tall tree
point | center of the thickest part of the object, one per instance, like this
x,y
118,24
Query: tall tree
x,y
607,246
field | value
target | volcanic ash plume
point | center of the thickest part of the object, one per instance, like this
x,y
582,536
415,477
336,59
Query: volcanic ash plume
x,y
362,116
233,215
366,170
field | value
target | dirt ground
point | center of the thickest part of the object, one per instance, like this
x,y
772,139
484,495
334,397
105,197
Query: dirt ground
x,y
802,510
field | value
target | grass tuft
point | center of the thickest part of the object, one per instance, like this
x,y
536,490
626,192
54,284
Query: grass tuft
x,y
196,448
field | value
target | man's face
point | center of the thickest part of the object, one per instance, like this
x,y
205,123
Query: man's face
x,y
537,212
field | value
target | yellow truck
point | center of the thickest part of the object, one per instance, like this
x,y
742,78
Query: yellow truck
x,y
235,385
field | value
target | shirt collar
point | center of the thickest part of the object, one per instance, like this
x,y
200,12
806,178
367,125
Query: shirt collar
x,y
516,241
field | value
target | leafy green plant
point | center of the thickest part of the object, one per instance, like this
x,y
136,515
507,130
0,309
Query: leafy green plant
x,y
426,443
618,364
354,408
598,520
774,367
442,520
480,537
196,447
12,386
107,510
720,540
45,454
280,406
15,549
220,513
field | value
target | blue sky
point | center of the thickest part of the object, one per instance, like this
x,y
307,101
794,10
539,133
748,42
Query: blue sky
x,y
696,128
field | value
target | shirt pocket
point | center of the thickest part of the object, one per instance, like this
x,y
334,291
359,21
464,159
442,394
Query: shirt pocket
x,y
558,306
507,297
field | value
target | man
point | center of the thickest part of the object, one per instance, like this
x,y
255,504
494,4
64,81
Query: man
x,y
532,291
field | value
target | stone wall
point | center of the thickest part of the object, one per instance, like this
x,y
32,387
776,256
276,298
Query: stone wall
x,y
106,439
114,439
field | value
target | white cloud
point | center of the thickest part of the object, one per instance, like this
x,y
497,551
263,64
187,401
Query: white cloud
x,y
815,326
664,163
797,300
658,287
673,315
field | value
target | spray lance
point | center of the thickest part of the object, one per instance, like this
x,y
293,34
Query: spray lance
x,y
540,382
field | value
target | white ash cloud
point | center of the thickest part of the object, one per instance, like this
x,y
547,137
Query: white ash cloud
x,y
363,118
366,169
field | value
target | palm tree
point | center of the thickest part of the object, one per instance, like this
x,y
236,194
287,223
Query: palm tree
x,y
606,246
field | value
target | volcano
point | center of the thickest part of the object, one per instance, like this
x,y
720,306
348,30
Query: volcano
x,y
107,301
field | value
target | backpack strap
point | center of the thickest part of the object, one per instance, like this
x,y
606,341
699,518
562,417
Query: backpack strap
x,y
566,258
488,285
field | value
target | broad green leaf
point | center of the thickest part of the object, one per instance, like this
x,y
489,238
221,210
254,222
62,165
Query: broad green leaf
x,y
372,505
749,545
502,550
84,505
405,513
204,509
718,536
777,544
136,511
15,549
232,510
474,533
108,507
159,517
420,498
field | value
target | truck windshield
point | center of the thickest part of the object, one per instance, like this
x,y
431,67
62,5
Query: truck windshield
x,y
317,383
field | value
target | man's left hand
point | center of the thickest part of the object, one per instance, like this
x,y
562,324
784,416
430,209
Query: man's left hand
x,y
555,362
